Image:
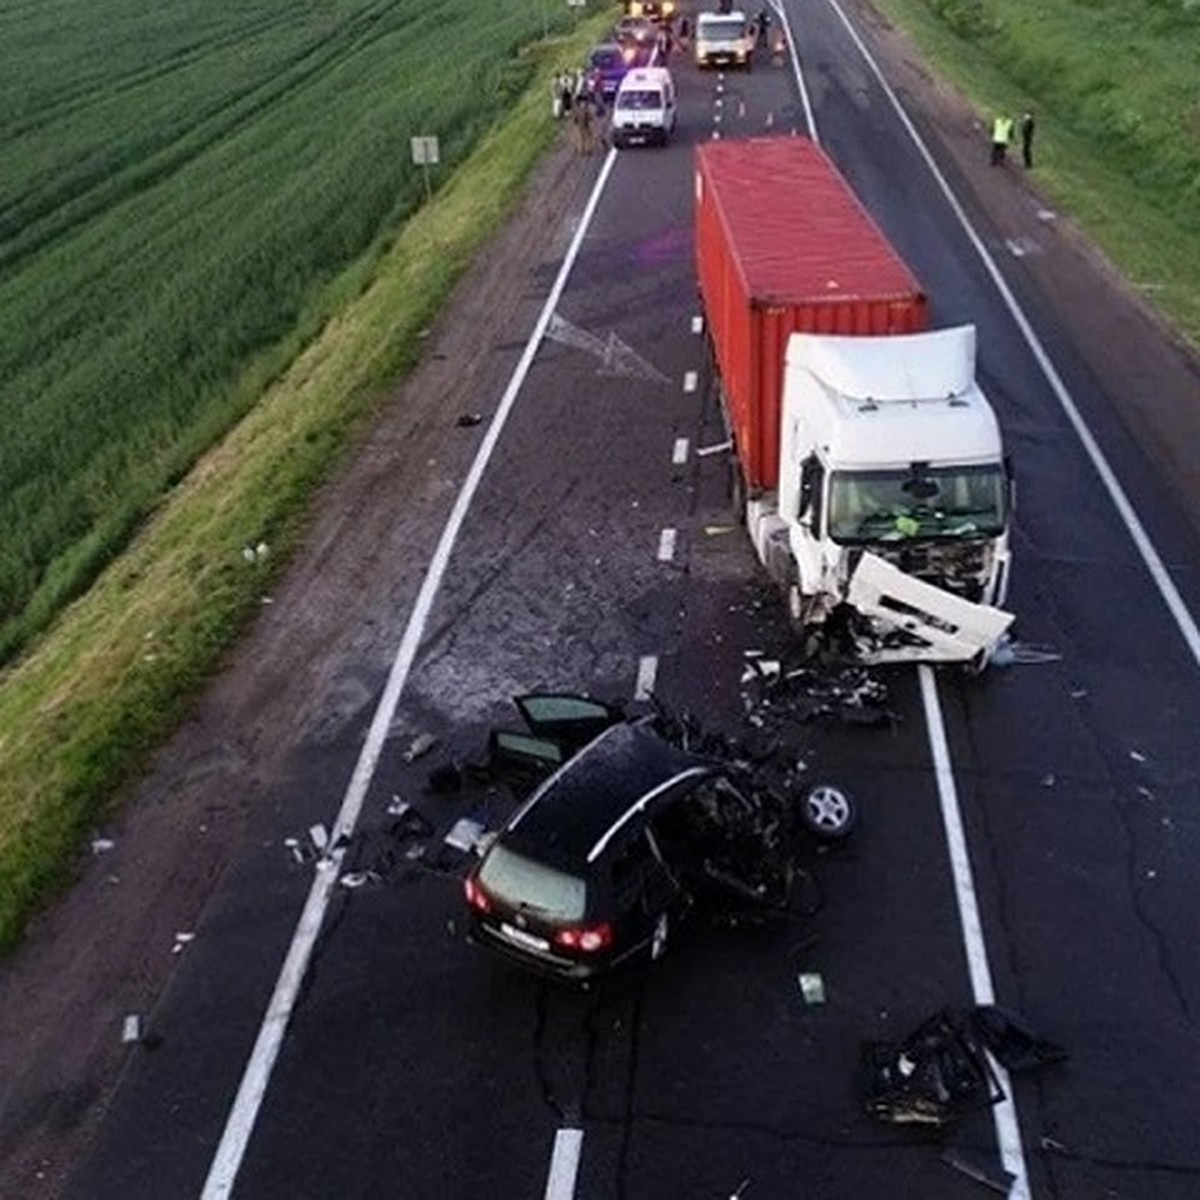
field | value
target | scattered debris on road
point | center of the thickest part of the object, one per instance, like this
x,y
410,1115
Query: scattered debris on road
x,y
101,845
941,1071
131,1029
181,940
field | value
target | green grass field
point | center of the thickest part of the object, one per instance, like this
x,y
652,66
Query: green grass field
x,y
271,287
1115,85
178,183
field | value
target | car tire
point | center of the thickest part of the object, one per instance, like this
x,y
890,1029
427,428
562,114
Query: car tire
x,y
661,937
828,812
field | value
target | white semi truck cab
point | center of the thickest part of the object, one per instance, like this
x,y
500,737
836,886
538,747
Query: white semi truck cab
x,y
894,498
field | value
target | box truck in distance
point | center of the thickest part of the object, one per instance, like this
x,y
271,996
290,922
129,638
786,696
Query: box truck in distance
x,y
866,461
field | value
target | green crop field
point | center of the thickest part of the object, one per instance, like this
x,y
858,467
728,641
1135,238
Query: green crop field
x,y
1116,88
214,244
178,183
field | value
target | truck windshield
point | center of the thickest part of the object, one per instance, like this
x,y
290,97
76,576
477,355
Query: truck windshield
x,y
933,502
719,29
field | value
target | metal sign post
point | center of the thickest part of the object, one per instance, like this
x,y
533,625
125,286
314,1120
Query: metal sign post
x,y
425,154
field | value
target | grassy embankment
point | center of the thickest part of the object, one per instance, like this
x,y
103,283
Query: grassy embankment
x,y
239,253
1113,84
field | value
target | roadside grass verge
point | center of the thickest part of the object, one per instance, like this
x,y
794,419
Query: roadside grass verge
x,y
179,185
81,710
1113,87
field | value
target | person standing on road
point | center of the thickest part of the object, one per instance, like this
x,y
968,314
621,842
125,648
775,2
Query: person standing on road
x,y
764,27
1002,131
1027,127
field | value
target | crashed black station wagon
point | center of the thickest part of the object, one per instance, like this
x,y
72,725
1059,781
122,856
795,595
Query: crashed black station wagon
x,y
577,882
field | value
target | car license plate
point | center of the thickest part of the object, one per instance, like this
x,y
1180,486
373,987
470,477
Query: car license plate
x,y
520,938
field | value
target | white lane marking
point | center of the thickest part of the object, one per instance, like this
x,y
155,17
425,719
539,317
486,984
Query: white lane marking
x,y
794,55
666,545
680,452
239,1125
698,324
646,675
690,379
1008,1129
1141,539
718,448
564,1164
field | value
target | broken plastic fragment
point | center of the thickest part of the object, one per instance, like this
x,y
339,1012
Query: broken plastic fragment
x,y
319,836
812,987
397,807
357,879
421,744
468,419
982,1168
1137,756
101,845
464,835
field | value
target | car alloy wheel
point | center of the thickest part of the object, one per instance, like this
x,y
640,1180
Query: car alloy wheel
x,y
828,812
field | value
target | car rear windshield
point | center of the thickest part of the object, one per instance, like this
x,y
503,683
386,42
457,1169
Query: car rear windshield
x,y
522,882
607,60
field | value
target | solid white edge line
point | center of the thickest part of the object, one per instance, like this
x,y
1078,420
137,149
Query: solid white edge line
x,y
1008,1129
239,1125
679,452
647,672
564,1164
1141,539
794,55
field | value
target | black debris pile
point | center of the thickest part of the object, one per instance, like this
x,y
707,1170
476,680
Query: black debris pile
x,y
774,695
941,1070
392,853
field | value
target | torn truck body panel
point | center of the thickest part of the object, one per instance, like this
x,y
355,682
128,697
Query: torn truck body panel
x,y
915,621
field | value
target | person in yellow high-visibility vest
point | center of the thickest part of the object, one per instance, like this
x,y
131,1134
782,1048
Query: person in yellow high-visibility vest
x,y
1002,132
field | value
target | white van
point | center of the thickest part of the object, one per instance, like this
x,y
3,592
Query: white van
x,y
723,39
644,110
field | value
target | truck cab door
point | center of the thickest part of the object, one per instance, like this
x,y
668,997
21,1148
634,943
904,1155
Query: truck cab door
x,y
806,523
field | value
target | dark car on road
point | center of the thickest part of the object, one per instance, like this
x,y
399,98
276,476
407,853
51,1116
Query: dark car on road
x,y
607,65
612,850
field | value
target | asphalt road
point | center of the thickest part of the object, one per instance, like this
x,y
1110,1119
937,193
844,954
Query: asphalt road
x,y
415,1066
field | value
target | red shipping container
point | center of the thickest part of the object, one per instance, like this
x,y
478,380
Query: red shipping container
x,y
784,246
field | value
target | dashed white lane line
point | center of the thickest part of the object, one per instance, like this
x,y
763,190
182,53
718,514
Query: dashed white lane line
x,y
698,324
666,545
239,1125
679,453
564,1164
1008,1130
690,380
646,674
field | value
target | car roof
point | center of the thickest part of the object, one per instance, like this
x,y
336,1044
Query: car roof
x,y
590,800
645,77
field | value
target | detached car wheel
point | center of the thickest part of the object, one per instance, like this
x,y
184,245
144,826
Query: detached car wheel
x,y
828,812
660,937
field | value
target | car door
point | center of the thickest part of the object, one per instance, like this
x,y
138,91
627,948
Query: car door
x,y
569,720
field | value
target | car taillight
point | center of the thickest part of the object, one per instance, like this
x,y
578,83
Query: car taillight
x,y
477,898
590,939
